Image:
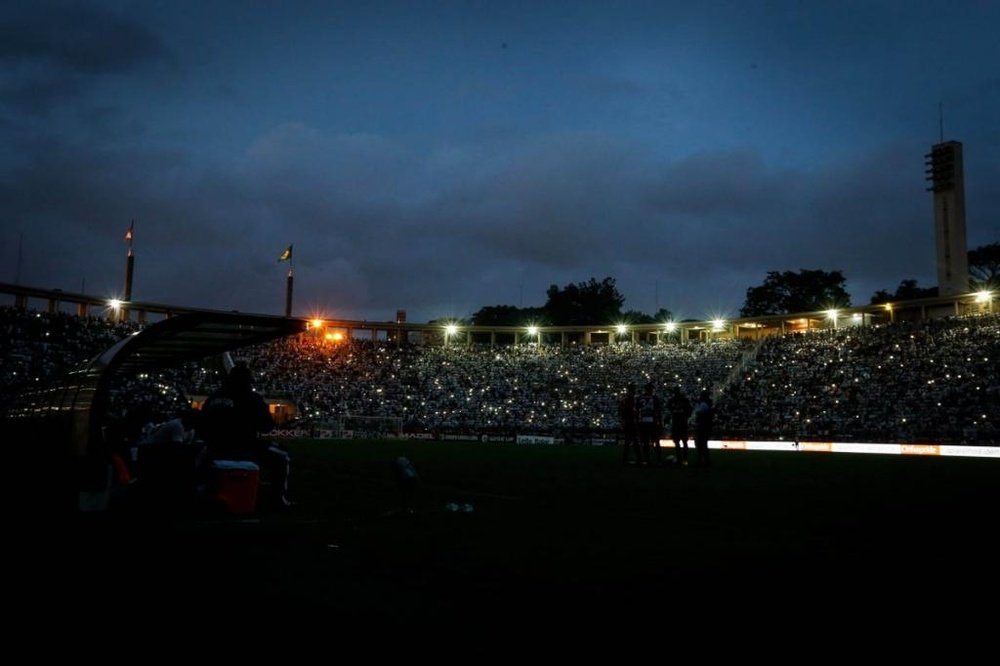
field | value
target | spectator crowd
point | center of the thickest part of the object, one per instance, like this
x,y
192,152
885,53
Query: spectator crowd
x,y
927,381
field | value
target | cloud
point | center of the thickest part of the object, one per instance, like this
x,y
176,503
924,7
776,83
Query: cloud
x,y
54,51
380,224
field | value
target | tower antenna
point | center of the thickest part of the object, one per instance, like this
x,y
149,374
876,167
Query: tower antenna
x,y
20,255
941,120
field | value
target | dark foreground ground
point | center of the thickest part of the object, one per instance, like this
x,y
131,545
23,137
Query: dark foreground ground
x,y
554,535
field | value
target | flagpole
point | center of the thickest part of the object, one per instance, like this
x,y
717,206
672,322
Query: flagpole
x,y
129,270
289,283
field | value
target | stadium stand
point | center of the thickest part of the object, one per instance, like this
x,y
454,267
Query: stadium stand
x,y
931,380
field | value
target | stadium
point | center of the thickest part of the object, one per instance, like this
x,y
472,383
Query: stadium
x,y
524,506
849,376
468,475
188,458
445,471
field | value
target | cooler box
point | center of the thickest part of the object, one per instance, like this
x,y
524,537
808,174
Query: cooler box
x,y
235,484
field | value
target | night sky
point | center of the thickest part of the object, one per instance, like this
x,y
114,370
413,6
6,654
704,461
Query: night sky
x,y
441,156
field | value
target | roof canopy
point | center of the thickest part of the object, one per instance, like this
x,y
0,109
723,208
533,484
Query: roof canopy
x,y
194,336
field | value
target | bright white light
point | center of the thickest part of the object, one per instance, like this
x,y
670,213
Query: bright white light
x,y
451,329
831,314
532,330
671,326
621,328
983,296
114,303
718,324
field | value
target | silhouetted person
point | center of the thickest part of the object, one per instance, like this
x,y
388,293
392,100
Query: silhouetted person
x,y
704,415
630,428
164,461
649,415
231,422
178,430
680,412
407,480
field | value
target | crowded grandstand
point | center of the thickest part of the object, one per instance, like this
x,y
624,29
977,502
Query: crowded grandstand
x,y
914,381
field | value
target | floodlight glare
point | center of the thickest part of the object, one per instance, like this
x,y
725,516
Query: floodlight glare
x,y
671,326
532,330
114,303
718,324
451,329
831,314
621,328
983,296
317,323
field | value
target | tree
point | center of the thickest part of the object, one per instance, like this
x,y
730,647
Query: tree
x,y
507,315
636,317
662,315
788,292
984,266
907,290
584,303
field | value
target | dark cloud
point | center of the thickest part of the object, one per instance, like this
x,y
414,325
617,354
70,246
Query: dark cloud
x,y
411,174
53,51
77,38
372,234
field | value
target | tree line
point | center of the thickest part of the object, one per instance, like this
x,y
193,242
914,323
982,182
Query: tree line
x,y
598,303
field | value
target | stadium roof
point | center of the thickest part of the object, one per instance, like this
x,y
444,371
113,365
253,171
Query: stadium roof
x,y
194,336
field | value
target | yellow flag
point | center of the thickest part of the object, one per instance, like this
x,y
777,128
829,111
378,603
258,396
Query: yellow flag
x,y
286,255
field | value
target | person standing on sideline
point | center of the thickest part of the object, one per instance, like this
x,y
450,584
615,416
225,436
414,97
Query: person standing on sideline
x,y
407,480
232,420
630,429
704,415
680,412
649,414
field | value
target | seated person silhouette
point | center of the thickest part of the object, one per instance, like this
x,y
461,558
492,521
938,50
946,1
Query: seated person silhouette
x,y
232,420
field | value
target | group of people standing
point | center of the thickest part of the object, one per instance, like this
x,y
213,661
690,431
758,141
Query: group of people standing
x,y
643,417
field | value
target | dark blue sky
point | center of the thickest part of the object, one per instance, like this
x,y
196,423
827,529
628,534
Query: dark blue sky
x,y
442,156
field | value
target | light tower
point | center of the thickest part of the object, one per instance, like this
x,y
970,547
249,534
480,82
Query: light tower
x,y
947,178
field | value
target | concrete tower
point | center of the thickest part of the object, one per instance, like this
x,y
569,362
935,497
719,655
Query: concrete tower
x,y
947,179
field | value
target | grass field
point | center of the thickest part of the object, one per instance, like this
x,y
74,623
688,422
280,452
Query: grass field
x,y
570,531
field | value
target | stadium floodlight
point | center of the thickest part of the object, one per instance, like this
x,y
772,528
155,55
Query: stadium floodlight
x,y
114,304
671,326
832,315
622,329
983,296
450,329
718,324
888,308
316,323
532,330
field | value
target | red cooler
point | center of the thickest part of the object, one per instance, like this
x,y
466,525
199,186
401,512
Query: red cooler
x,y
235,483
